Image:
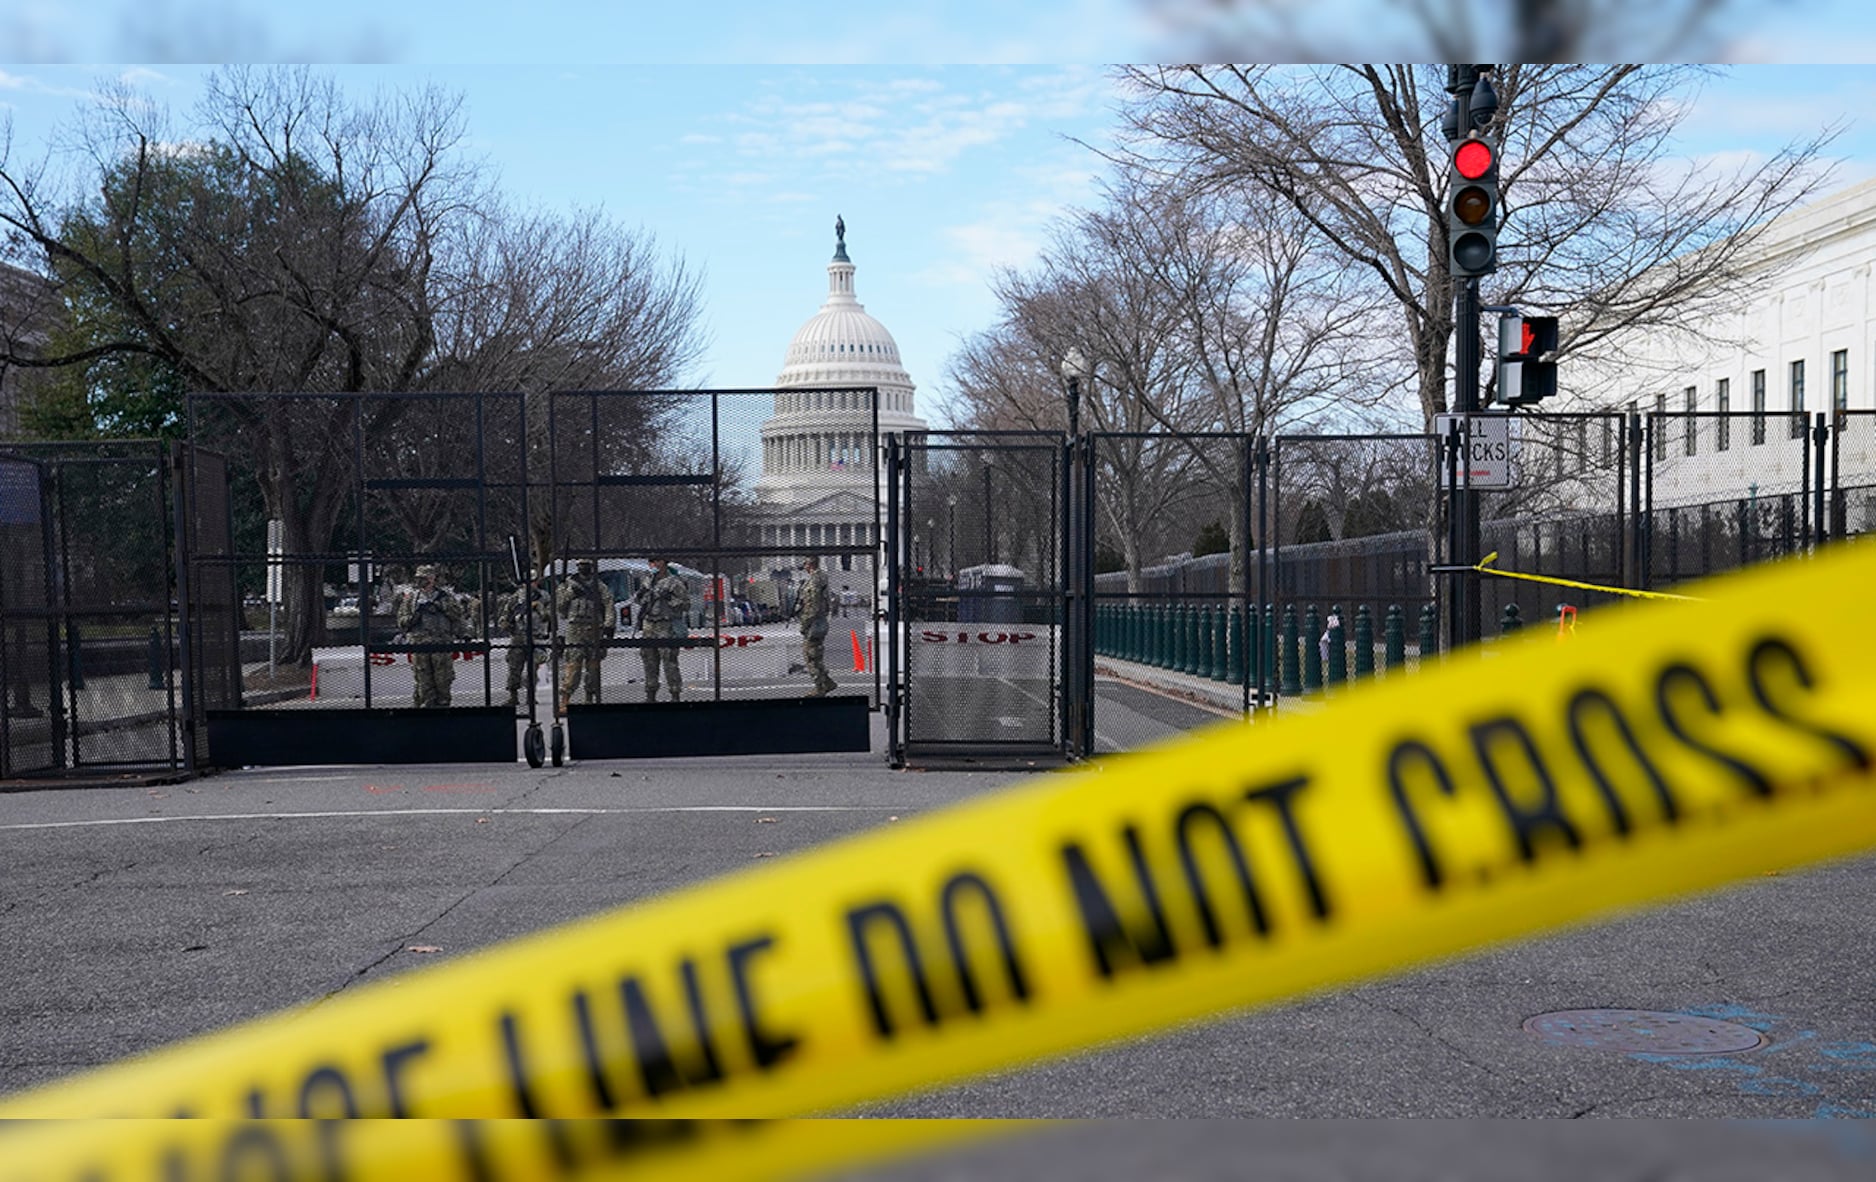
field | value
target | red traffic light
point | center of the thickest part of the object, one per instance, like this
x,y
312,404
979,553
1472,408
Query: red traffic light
x,y
1473,159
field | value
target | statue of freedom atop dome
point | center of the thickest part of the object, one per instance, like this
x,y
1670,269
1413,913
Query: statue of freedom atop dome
x,y
840,230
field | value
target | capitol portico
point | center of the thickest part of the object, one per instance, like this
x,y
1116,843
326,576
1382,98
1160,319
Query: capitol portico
x,y
819,479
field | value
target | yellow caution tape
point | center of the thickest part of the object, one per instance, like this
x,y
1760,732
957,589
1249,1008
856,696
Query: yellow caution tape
x,y
1484,566
469,1150
1506,792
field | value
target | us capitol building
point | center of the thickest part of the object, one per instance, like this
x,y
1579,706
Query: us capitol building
x,y
819,481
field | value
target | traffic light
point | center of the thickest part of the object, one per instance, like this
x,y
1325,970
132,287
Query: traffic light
x,y
1472,208
1524,377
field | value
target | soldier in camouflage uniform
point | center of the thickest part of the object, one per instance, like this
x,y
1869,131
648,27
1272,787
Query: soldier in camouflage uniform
x,y
664,615
524,606
431,614
586,605
814,604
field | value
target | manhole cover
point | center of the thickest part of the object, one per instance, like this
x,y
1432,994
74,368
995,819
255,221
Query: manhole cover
x,y
1643,1030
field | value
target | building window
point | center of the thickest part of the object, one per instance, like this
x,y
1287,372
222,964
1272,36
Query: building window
x,y
1723,402
1797,400
1660,425
1691,398
1840,380
1758,407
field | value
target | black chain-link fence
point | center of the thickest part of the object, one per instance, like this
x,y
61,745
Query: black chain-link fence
x,y
115,651
315,536
1352,554
32,719
1851,508
91,609
1724,490
736,490
1173,532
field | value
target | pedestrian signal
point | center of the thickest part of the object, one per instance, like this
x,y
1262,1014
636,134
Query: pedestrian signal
x,y
1527,366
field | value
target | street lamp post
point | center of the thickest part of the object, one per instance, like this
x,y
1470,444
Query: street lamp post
x,y
1075,368
990,538
951,548
1078,606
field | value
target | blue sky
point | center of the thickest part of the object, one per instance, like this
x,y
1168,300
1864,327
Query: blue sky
x,y
842,31
943,173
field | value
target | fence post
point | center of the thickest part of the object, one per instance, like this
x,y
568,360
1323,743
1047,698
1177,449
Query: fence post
x,y
1188,638
1221,647
1511,623
1164,641
1312,652
1395,631
157,662
74,657
1338,651
1364,642
1292,666
1238,669
1429,633
1195,640
1269,653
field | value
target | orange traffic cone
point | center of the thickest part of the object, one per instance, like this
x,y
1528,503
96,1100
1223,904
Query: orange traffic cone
x,y
859,654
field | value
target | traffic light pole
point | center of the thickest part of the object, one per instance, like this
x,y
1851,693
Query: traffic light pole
x,y
1465,619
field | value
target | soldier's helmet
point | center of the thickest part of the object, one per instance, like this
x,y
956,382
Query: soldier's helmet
x,y
427,571
588,567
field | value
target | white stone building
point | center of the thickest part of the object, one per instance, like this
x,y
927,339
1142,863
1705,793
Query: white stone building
x,y
1802,337
819,484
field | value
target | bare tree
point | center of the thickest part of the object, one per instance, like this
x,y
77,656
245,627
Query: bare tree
x,y
1204,314
1083,295
1453,30
1599,225
300,243
1277,331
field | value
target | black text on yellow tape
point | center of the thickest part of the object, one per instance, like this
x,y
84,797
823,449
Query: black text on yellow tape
x,y
1507,792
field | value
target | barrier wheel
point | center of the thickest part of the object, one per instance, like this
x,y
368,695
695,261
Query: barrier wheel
x,y
534,745
558,744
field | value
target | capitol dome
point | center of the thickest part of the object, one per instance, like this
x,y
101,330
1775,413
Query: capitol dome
x,y
819,441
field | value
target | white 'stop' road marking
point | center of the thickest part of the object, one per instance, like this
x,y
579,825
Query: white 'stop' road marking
x,y
547,812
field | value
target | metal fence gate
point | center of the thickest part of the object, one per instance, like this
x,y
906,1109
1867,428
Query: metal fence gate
x,y
32,719
296,652
92,606
977,598
1170,525
736,489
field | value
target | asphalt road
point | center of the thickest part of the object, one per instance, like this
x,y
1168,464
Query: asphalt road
x,y
134,917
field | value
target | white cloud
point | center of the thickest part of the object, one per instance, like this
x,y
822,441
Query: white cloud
x,y
915,126
144,76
